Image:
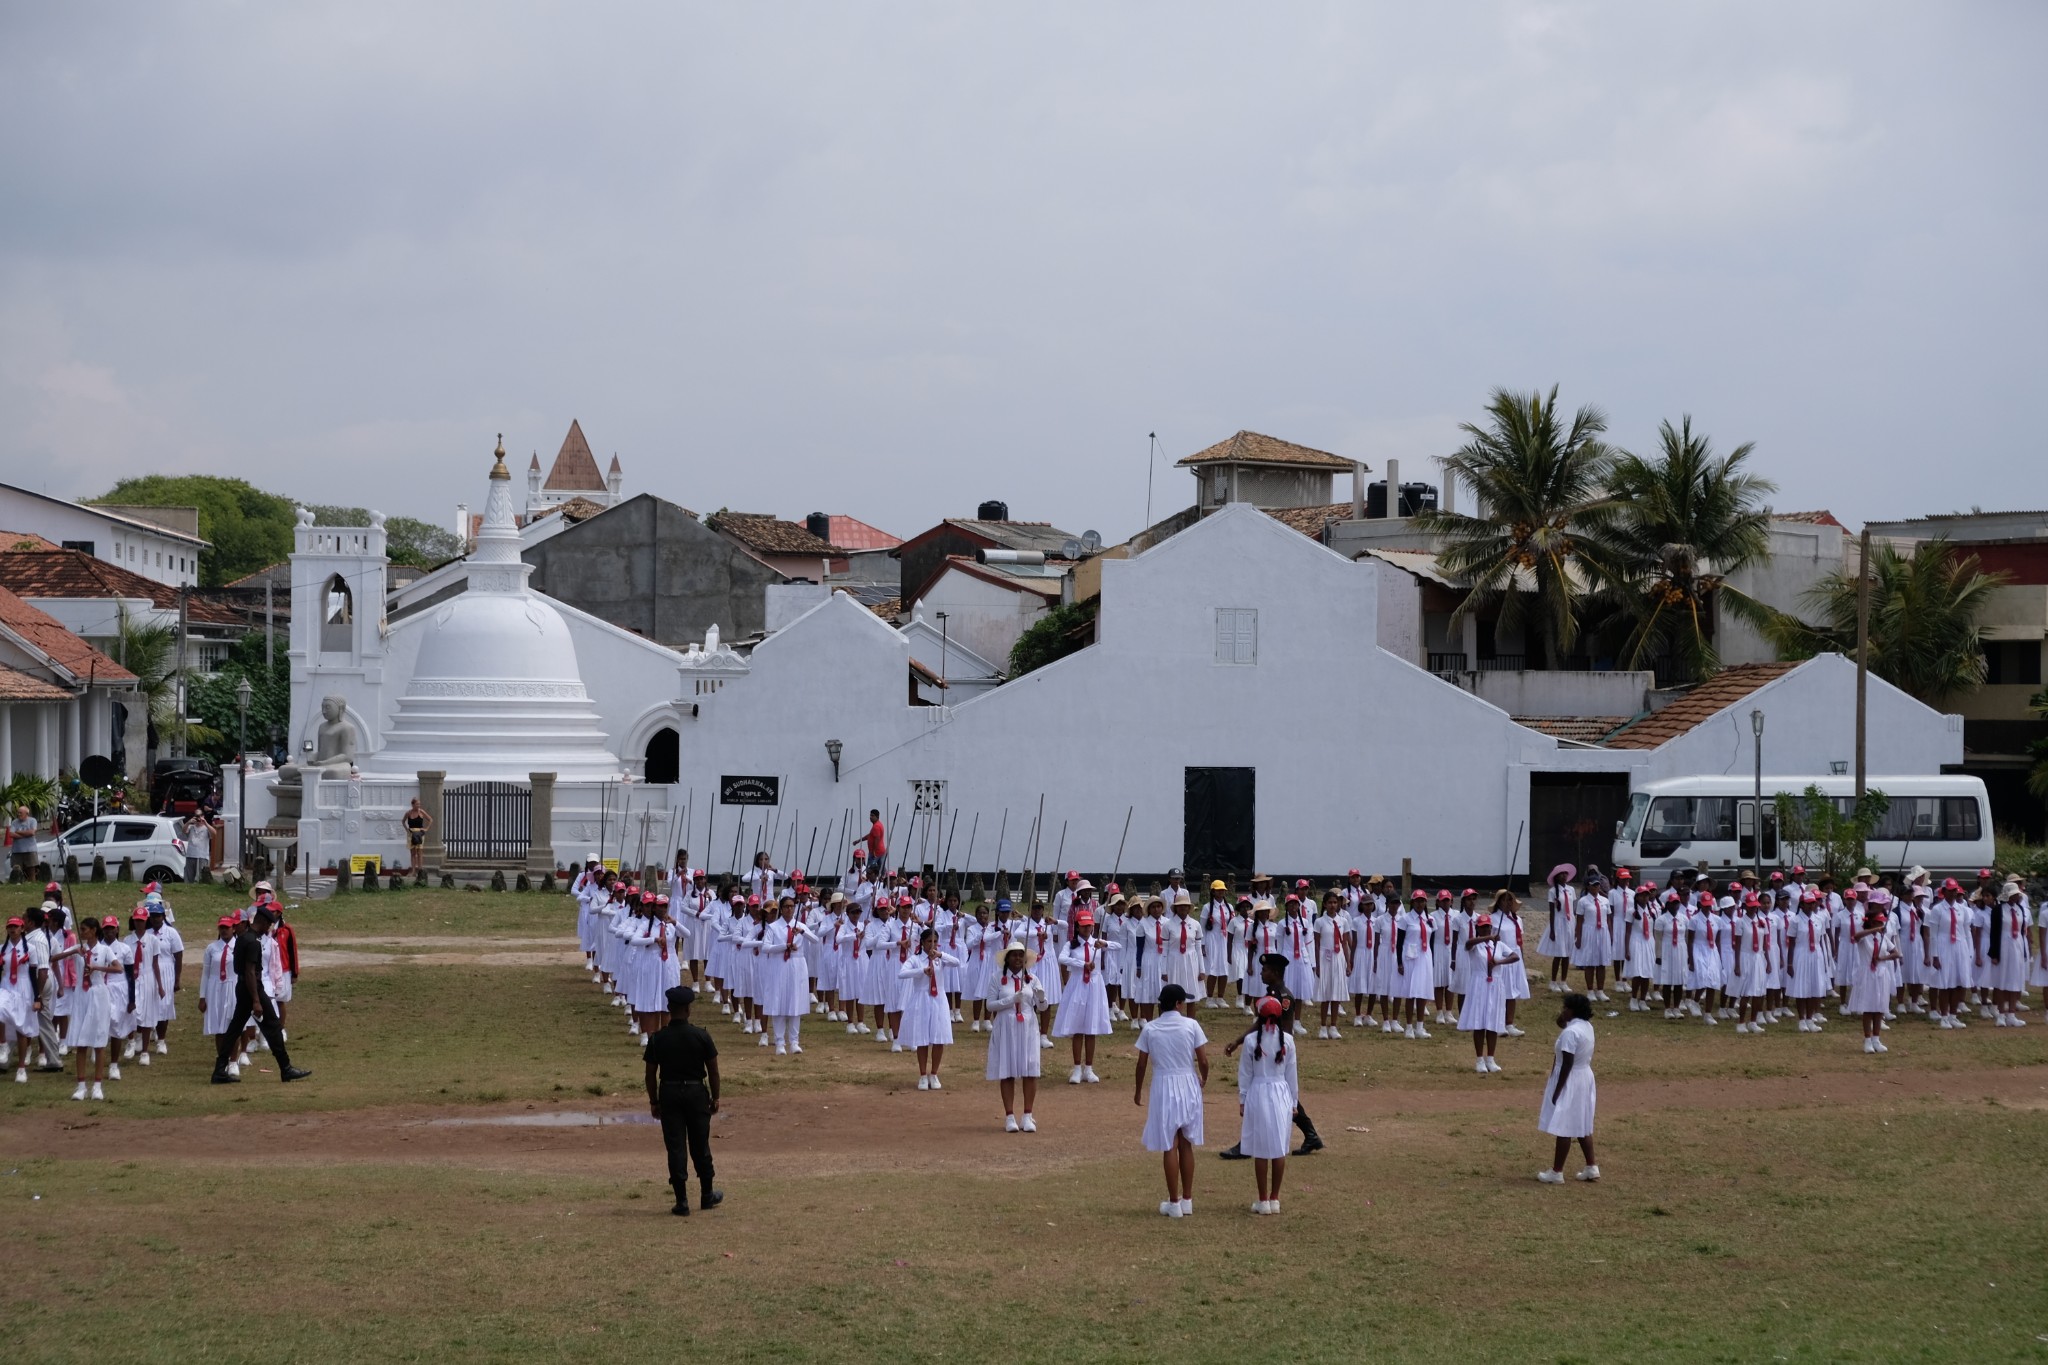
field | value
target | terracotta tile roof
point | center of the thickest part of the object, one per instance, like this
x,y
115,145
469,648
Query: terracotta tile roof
x,y
1249,447
1820,518
926,675
74,573
57,644
1579,729
1310,521
15,685
889,608
849,533
1701,704
26,540
576,509
575,467
770,535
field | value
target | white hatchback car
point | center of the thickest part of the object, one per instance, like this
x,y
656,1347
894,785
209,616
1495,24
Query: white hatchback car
x,y
154,844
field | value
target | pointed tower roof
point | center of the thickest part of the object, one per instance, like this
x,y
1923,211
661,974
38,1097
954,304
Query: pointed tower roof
x,y
575,468
615,465
536,461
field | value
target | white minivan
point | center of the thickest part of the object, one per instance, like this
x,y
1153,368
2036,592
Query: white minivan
x,y
1942,822
154,843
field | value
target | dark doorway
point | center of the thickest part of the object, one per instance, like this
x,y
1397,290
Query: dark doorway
x,y
1572,818
664,758
1219,821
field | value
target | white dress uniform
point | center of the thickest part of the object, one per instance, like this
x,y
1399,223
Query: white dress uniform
x,y
2006,936
927,1017
1870,984
1592,942
1570,1115
1513,934
1807,955
1216,917
1043,937
17,993
1639,947
1084,1005
1707,926
1268,1088
1414,975
217,987
782,978
1557,924
1297,943
1015,998
1669,928
1754,962
92,1013
1333,972
1951,947
1182,957
1260,938
1173,1105
1486,987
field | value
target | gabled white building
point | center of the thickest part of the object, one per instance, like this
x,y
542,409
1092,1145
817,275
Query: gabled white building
x,y
164,546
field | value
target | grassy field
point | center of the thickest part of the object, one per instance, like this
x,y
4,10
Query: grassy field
x,y
1773,1198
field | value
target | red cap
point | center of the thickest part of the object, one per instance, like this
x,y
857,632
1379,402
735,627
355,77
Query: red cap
x,y
753,901
1798,871
1354,872
1419,896
1293,899
1271,1008
917,881
1951,884
226,920
1752,901
15,923
49,886
1112,890
1621,874
1301,885
1468,892
1073,876
138,913
1443,895
1810,898
1984,872
110,923
1084,916
1647,886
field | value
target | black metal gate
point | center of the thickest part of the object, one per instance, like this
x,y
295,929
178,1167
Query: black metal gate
x,y
487,822
1219,820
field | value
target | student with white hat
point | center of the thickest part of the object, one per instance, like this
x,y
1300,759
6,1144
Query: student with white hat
x,y
1015,998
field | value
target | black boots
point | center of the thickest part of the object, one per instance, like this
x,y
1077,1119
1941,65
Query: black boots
x,y
712,1198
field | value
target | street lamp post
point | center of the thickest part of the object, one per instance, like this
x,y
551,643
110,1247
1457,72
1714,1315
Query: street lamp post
x,y
1756,728
943,644
243,692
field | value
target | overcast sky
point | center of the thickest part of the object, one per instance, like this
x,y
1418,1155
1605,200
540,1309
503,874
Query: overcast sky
x,y
891,259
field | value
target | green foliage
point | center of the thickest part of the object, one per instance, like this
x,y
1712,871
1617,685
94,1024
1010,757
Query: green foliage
x,y
2037,777
1924,610
1542,483
1053,636
1829,834
270,701
1681,524
150,652
39,794
408,540
248,528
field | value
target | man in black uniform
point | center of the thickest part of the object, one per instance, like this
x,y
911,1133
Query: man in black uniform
x,y
252,1001
1273,976
682,1091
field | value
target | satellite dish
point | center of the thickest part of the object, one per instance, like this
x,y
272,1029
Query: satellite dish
x,y
97,770
1091,541
1071,549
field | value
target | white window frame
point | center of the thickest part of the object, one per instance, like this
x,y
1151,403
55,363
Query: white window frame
x,y
1237,636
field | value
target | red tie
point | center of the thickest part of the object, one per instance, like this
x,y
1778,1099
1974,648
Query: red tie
x,y
1017,984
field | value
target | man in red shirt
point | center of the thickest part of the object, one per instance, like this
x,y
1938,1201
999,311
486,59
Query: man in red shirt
x,y
876,841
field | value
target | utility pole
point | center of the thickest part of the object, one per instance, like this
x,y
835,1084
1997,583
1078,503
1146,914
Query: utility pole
x,y
1862,655
269,622
184,599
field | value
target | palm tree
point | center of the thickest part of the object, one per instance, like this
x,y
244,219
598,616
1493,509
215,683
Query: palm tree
x,y
1924,609
1542,495
1683,522
149,650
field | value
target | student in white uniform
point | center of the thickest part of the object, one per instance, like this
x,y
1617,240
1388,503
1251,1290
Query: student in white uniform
x,y
1414,974
1484,1014
1015,999
1333,967
1557,925
1871,951
1268,1089
926,1023
2008,955
1174,1052
1569,1093
1217,914
782,983
217,987
1952,946
18,1023
1083,1014
1592,941
93,1009
1507,924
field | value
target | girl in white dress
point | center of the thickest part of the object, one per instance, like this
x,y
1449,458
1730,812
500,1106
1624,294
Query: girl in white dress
x,y
1083,1014
1557,925
1871,949
2008,955
1703,957
926,1022
1333,968
1297,939
1443,951
1181,961
1414,975
1952,947
1569,1093
1268,1088
217,986
1752,967
1592,941
1484,1014
782,982
1508,925
1217,915
977,968
1174,1051
92,1011
878,969
18,1018
1639,945
1015,998
1044,938
1261,936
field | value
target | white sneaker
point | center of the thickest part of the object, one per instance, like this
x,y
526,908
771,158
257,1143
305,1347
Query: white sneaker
x,y
1088,1075
1301,1030
895,1047
1187,1208
1493,1065
1511,1032
924,1082
1410,1033
881,1035
1479,1065
1170,1207
1711,1020
1742,1028
867,1028
1391,1026
1421,1032
1030,1125
21,1075
1880,1045
2017,1022
1867,1044
79,1093
1551,1177
234,1068
1589,1173
1258,1206
853,1029
935,1082
958,1016
113,1071
1334,1033
1045,1043
780,1050
1010,1124
1074,1076
764,1040
796,1048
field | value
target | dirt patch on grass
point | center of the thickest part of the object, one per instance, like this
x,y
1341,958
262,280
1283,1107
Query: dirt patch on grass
x,y
848,1130
316,958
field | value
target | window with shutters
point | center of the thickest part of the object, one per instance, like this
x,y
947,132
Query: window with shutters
x,y
1237,635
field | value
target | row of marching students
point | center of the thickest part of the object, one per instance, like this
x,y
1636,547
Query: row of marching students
x,y
1759,951
104,997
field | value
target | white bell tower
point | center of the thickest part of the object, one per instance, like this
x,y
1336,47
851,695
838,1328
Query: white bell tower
x,y
337,636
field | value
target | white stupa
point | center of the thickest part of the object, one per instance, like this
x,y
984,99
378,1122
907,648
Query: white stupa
x,y
495,690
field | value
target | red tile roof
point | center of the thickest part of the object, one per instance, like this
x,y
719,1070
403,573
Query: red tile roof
x,y
15,685
1698,706
76,574
60,646
1580,729
26,540
770,535
1310,521
1821,518
575,468
1250,447
849,533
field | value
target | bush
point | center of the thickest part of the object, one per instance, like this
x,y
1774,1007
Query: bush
x,y
1058,633
39,794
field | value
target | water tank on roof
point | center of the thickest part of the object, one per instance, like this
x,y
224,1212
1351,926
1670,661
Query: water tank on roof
x,y
819,525
1415,498
992,511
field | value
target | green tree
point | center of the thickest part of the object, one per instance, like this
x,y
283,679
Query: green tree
x,y
248,529
2037,777
1535,546
407,540
150,652
1924,614
1826,834
270,701
1682,522
1058,633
